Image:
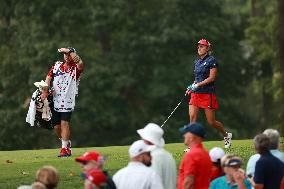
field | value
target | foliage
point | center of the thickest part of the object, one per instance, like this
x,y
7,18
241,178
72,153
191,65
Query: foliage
x,y
138,59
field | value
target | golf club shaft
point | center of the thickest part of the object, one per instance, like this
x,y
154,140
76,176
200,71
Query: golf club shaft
x,y
186,93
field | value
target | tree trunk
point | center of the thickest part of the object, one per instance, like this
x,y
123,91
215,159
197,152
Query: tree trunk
x,y
105,42
265,78
281,56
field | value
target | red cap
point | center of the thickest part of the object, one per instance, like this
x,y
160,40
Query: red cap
x,y
203,42
89,156
97,177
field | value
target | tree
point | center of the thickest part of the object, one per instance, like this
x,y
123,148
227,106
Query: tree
x,y
281,55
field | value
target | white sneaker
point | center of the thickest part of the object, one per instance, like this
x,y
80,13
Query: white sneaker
x,y
228,140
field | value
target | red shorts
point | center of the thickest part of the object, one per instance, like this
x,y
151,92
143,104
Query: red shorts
x,y
204,100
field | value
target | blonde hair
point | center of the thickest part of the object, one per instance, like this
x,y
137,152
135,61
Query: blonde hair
x,y
48,175
225,159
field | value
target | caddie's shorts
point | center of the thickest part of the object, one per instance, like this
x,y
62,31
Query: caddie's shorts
x,y
204,100
58,116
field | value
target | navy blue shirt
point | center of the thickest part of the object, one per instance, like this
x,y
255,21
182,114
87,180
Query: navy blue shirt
x,y
202,70
269,171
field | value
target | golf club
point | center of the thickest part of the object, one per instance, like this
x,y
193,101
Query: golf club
x,y
186,93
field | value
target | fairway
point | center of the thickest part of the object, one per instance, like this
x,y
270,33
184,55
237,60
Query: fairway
x,y
19,167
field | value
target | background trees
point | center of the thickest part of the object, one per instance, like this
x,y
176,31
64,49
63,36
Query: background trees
x,y
139,59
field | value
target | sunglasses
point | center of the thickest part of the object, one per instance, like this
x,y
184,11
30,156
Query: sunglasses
x,y
84,162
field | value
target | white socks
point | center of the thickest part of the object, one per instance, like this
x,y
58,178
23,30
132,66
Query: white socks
x,y
64,143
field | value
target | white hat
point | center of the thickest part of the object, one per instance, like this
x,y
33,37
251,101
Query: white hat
x,y
139,147
216,153
40,84
153,133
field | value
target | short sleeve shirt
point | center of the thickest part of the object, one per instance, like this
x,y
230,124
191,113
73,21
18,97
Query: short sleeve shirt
x,y
65,81
221,183
64,70
269,171
202,69
197,163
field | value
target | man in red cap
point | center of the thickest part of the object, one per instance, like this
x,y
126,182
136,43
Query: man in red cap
x,y
92,164
95,179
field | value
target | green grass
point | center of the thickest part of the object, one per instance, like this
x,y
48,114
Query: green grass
x,y
19,167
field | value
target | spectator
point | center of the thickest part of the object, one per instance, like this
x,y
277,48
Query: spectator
x,y
234,177
216,154
38,185
95,179
48,176
92,164
195,167
25,187
274,137
162,161
269,170
138,174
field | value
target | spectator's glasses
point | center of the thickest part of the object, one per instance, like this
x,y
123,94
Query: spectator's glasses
x,y
85,162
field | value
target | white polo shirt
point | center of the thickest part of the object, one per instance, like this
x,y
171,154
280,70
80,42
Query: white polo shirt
x,y
164,165
137,175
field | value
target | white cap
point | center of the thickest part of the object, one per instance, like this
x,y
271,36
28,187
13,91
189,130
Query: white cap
x,y
40,84
139,147
152,133
216,153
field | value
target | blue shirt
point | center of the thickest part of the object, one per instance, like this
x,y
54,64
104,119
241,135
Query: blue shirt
x,y
202,70
269,171
254,158
221,183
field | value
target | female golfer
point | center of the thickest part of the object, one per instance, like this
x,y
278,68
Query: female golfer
x,y
203,89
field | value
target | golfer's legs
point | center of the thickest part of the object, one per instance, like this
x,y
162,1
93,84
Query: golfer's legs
x,y
65,131
193,113
57,130
210,116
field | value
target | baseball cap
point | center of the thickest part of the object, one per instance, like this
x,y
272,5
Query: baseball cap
x,y
235,161
194,128
97,177
216,154
139,147
89,156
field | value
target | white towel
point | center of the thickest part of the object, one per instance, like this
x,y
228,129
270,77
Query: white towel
x,y
46,112
32,110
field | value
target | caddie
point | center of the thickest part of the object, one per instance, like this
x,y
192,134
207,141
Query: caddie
x,y
64,77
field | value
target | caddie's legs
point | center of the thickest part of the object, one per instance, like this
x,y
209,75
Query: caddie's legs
x,y
65,130
57,130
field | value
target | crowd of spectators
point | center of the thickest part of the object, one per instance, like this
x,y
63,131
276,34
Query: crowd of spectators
x,y
153,167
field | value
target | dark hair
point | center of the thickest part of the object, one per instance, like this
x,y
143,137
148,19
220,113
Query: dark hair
x,y
261,143
218,163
